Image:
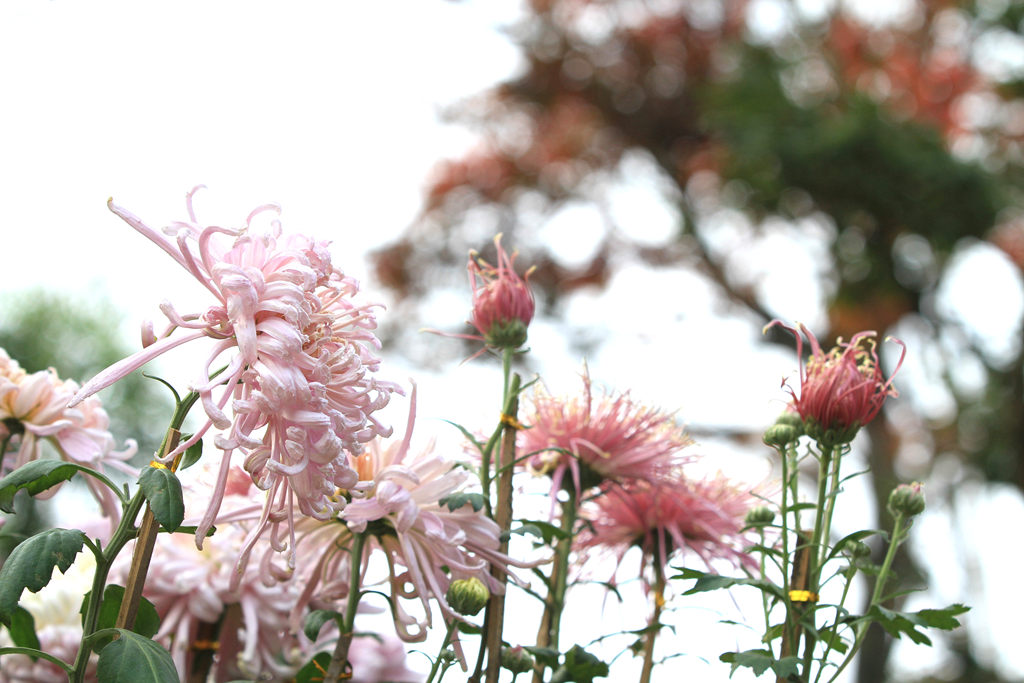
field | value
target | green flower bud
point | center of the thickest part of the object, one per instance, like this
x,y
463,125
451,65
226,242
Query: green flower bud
x,y
447,656
907,500
467,596
758,516
856,549
788,428
516,659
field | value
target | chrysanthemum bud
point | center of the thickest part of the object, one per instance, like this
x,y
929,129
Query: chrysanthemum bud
x,y
503,304
856,549
758,516
467,596
516,659
907,500
787,429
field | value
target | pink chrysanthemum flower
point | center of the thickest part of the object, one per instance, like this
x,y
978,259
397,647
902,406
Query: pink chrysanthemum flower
x,y
598,439
34,407
293,355
842,390
673,515
503,304
380,658
193,593
425,543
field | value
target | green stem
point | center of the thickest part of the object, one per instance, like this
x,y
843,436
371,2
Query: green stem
x,y
558,582
830,506
655,625
444,644
339,659
813,571
787,628
32,652
898,536
834,628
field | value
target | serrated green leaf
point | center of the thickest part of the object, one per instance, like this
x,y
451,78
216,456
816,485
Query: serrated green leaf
x,y
23,629
132,658
944,619
897,625
457,500
192,453
162,491
579,667
760,661
147,621
545,531
315,621
710,582
30,565
35,476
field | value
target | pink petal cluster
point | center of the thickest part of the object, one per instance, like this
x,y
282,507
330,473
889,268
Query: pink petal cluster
x,y
503,304
292,359
195,589
34,407
671,515
842,390
426,544
598,438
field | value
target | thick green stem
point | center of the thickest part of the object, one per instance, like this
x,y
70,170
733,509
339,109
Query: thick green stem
x,y
503,517
819,532
339,659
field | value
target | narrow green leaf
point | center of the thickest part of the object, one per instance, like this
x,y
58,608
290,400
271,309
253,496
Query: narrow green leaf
x,y
30,565
35,476
162,490
316,620
133,658
192,453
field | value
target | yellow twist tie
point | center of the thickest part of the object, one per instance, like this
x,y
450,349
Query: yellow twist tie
x,y
803,596
511,421
210,645
157,464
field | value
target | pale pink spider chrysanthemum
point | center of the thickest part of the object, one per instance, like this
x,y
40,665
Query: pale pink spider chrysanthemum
x,y
596,439
298,363
418,535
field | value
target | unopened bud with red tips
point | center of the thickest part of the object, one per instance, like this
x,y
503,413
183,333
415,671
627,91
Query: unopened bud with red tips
x,y
503,304
516,659
907,500
467,596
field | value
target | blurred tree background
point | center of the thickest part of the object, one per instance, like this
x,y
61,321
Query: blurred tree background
x,y
878,143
